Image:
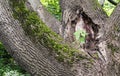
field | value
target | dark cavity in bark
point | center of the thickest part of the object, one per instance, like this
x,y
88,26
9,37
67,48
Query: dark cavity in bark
x,y
79,20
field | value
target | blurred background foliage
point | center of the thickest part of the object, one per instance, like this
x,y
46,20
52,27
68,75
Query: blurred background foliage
x,y
53,7
8,67
108,7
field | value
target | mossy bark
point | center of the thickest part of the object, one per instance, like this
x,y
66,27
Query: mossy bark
x,y
38,31
36,47
19,44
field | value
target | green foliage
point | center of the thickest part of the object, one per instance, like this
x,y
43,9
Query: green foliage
x,y
8,67
80,35
113,48
53,7
108,7
14,73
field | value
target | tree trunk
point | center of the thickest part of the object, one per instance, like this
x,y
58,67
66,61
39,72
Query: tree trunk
x,y
87,13
37,49
22,49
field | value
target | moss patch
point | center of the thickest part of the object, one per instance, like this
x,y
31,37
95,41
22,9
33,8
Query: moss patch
x,y
33,26
116,28
113,48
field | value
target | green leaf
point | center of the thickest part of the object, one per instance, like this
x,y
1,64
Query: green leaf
x,y
80,35
82,40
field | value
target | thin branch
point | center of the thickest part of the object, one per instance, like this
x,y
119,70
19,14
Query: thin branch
x,y
90,7
95,12
114,19
45,16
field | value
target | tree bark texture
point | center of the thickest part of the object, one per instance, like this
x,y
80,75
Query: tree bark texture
x,y
106,35
44,15
22,49
106,32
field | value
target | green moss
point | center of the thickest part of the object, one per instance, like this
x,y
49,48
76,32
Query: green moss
x,y
95,55
33,26
116,28
113,48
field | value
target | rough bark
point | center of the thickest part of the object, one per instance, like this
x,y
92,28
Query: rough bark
x,y
37,61
44,15
108,37
112,37
22,49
